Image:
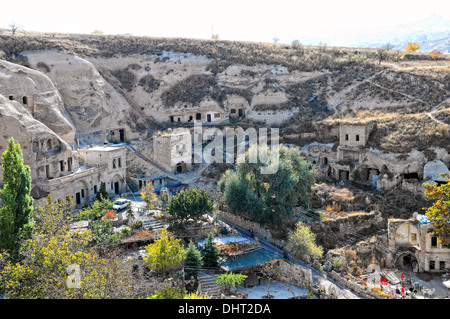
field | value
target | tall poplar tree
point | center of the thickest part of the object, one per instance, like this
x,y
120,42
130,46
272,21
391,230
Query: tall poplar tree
x,y
16,221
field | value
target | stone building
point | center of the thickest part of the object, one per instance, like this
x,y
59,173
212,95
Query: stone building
x,y
99,167
413,245
353,160
172,150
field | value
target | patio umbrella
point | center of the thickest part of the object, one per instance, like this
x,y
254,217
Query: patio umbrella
x,y
403,291
385,281
447,283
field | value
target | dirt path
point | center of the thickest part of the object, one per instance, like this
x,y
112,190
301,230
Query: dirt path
x,y
433,109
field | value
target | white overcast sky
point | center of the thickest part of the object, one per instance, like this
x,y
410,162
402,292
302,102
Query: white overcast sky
x,y
247,20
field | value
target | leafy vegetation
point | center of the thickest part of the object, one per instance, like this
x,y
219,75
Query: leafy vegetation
x,y
439,212
210,253
229,280
48,256
148,194
165,254
191,203
16,221
268,198
301,243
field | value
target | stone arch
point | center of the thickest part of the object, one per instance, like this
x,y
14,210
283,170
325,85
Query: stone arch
x,y
181,167
406,260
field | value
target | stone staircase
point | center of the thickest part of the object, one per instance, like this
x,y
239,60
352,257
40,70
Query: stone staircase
x,y
208,285
154,224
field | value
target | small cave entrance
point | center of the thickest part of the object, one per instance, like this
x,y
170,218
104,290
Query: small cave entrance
x,y
411,175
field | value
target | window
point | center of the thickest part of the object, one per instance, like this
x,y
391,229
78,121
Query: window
x,y
61,166
357,137
233,110
433,241
217,115
441,265
432,263
25,100
82,193
95,189
346,137
114,163
119,162
413,237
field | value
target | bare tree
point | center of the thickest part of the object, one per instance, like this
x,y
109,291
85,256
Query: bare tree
x,y
383,52
14,27
268,272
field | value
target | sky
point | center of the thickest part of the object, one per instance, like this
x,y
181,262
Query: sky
x,y
241,20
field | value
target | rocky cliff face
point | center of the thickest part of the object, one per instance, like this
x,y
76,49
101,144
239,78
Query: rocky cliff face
x,y
40,145
91,102
84,86
35,94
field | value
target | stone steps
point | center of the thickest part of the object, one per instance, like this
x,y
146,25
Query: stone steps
x,y
154,224
208,285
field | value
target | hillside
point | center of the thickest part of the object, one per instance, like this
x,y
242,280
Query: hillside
x,y
138,82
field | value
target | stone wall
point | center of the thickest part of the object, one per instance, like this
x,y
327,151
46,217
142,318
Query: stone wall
x,y
334,232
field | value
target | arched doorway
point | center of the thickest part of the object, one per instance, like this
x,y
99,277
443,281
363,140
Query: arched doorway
x,y
181,167
406,261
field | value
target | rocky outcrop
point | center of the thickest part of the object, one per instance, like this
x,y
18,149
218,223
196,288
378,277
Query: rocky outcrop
x,y
40,145
37,96
94,106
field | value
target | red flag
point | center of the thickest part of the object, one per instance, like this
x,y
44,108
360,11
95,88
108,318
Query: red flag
x,y
403,291
402,277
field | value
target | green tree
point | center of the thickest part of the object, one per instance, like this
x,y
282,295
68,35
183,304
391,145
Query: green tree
x,y
16,221
230,280
191,203
193,260
301,243
165,254
210,253
53,249
269,198
439,213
